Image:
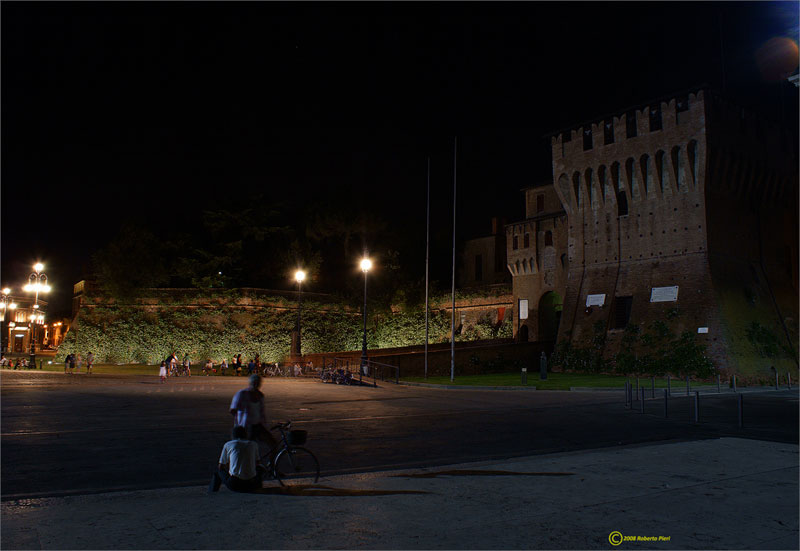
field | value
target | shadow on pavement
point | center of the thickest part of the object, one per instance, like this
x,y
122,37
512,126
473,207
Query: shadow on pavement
x,y
314,490
477,473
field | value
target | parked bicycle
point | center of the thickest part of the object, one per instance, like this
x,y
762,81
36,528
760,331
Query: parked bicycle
x,y
294,464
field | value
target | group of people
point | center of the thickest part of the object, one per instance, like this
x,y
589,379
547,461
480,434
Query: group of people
x,y
21,363
170,367
239,467
74,361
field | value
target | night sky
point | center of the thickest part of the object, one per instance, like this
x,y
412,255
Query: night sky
x,y
158,111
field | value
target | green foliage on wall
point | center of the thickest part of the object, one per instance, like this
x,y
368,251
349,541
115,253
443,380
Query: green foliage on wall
x,y
657,351
125,334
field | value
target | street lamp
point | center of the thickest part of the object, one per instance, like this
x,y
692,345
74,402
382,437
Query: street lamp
x,y
299,277
366,264
5,304
37,283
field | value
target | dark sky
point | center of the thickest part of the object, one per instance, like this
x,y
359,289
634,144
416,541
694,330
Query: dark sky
x,y
158,110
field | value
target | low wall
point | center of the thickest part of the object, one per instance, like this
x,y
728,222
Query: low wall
x,y
471,358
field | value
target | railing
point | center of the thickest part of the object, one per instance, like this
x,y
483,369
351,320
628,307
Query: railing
x,y
370,368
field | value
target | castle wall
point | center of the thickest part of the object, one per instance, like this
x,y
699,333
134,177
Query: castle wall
x,y
633,188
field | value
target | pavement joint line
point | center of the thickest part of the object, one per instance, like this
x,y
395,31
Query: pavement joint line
x,y
704,483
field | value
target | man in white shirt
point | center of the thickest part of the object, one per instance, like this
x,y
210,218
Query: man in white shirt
x,y
247,408
238,465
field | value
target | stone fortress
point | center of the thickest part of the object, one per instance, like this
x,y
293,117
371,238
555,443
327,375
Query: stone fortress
x,y
682,209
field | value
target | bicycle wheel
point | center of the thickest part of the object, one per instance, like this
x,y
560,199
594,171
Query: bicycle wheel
x,y
296,466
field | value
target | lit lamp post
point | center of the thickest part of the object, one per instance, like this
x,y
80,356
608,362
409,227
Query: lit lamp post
x,y
5,305
299,277
366,264
37,283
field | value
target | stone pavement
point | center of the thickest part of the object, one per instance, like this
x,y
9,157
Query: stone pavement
x,y
727,493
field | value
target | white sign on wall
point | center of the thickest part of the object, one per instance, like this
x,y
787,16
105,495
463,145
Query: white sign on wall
x,y
702,329
664,294
523,308
595,300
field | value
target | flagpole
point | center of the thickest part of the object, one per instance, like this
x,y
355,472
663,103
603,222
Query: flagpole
x,y
453,292
427,262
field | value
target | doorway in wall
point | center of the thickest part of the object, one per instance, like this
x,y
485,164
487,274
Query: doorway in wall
x,y
550,307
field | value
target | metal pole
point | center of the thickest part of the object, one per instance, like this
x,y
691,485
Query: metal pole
x,y
734,382
626,394
299,309
653,387
697,406
718,389
789,380
364,339
453,318
641,403
741,410
637,387
427,263
776,379
687,385
666,404
669,384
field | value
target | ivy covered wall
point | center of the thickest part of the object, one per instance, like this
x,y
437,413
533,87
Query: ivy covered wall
x,y
149,331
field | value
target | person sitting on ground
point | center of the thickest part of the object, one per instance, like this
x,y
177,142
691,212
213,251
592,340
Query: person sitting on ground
x,y
238,465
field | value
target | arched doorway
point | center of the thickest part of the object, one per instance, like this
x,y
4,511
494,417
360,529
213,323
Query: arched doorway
x,y
523,334
550,306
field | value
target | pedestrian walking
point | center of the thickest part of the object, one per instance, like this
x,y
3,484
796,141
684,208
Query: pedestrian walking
x,y
78,362
66,363
72,364
89,363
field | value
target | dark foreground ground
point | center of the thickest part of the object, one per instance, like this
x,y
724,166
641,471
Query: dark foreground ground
x,y
65,435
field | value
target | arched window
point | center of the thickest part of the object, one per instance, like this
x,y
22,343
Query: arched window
x,y
548,239
691,152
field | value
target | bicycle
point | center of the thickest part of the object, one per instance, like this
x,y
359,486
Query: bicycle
x,y
294,464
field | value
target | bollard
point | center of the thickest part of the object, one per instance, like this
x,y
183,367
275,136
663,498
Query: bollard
x,y
669,384
741,410
524,376
687,385
697,406
718,390
543,367
641,404
734,382
652,387
666,404
40,364
789,380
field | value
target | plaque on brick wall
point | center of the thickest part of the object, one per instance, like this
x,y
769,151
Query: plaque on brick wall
x,y
664,294
523,308
595,300
702,329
